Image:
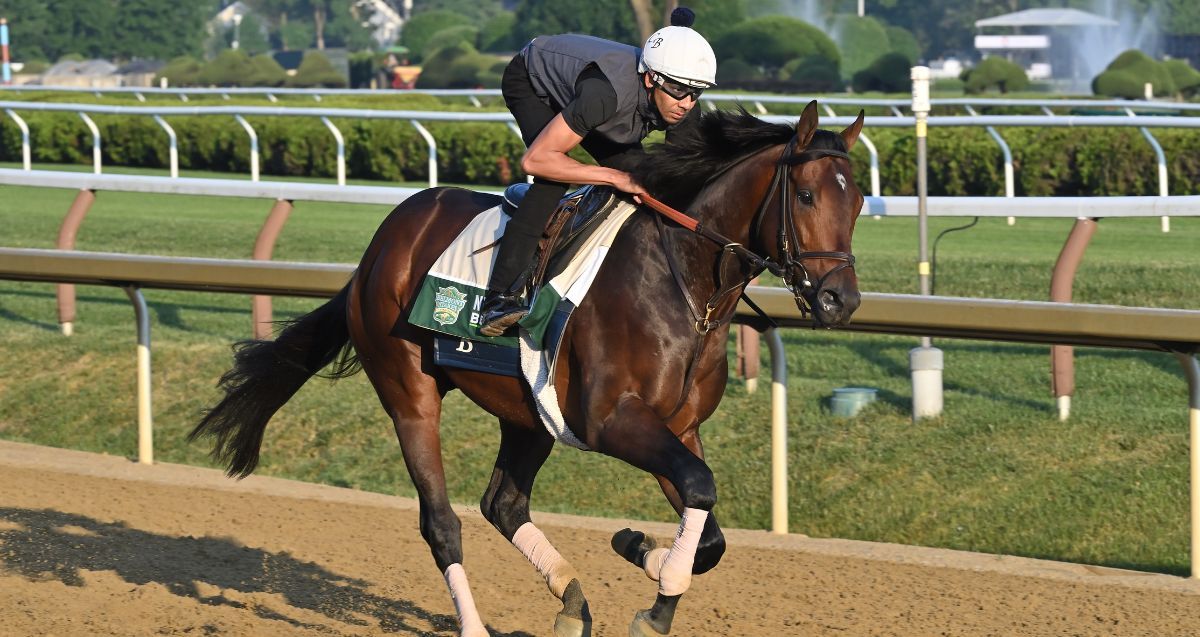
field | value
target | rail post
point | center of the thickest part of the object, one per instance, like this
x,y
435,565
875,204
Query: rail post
x,y
253,146
433,176
26,154
1163,191
1010,189
341,150
145,415
779,471
1062,361
95,142
264,245
66,241
174,145
1191,369
926,361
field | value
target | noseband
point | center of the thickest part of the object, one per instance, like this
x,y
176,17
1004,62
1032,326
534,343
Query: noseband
x,y
793,263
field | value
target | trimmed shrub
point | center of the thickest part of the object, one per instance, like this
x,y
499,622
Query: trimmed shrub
x,y
459,34
231,68
498,35
419,31
888,74
267,72
1186,78
316,70
863,41
735,70
995,72
904,43
812,74
182,71
1133,67
436,71
772,41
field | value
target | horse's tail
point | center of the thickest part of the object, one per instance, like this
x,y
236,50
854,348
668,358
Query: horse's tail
x,y
266,374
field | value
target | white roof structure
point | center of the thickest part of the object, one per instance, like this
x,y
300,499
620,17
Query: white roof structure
x,y
1047,18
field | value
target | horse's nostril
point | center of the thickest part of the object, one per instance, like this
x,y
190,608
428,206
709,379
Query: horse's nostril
x,y
830,301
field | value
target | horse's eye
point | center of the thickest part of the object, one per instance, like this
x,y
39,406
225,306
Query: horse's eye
x,y
805,197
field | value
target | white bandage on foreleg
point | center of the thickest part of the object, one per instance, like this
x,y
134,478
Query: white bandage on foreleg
x,y
464,603
653,563
532,543
676,574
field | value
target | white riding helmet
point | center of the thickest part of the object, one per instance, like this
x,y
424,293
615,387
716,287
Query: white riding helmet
x,y
680,54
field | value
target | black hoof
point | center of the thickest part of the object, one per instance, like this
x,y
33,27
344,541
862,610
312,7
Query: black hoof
x,y
633,546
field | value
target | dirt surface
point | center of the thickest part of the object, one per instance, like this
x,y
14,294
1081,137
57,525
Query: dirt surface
x,y
97,545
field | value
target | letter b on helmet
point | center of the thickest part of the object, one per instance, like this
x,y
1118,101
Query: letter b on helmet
x,y
681,54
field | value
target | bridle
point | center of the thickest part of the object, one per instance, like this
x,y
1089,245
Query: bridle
x,y
789,265
789,235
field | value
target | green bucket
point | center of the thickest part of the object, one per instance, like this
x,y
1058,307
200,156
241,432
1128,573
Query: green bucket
x,y
848,401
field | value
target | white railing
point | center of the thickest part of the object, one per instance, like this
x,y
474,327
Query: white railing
x,y
1144,123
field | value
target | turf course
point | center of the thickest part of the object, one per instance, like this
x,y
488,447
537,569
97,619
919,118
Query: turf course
x,y
997,473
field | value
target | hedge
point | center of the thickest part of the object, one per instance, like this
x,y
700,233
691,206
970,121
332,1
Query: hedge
x,y
964,161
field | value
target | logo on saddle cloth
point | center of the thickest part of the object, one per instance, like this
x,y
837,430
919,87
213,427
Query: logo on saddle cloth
x,y
447,303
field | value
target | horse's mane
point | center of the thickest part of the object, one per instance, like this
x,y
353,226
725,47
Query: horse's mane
x,y
675,172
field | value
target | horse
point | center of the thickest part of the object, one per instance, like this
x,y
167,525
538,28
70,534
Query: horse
x,y
643,360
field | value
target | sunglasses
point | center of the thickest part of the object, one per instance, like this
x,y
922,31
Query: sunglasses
x,y
677,90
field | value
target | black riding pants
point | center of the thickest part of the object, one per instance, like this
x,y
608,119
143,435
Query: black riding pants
x,y
529,222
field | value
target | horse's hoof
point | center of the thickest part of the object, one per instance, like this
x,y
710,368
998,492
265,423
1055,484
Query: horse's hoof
x,y
575,619
566,626
633,546
642,626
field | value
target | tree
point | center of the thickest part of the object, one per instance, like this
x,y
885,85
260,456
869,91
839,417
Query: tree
x,y
316,70
419,31
608,19
477,11
863,40
155,29
772,41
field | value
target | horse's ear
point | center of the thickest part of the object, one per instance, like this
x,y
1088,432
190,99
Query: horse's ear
x,y
807,126
850,135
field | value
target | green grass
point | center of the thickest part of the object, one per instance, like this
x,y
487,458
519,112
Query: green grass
x,y
997,472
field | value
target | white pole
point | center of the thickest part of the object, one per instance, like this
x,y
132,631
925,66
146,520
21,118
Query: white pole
x,y
433,176
95,142
253,146
341,151
145,415
779,472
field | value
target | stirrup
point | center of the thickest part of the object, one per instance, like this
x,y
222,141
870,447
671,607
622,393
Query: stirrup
x,y
509,309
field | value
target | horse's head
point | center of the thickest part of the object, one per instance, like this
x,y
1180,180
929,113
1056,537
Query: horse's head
x,y
807,217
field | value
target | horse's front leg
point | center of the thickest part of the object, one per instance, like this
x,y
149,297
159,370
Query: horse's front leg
x,y
506,505
634,433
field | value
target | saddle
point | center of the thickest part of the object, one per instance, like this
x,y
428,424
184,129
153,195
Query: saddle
x,y
578,214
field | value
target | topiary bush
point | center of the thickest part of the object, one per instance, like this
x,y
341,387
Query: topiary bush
x,y
772,41
997,73
1185,78
1127,75
316,70
267,72
732,71
863,40
419,31
458,34
887,74
231,68
812,74
181,71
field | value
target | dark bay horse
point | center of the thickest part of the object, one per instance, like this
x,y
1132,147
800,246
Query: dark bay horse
x,y
643,361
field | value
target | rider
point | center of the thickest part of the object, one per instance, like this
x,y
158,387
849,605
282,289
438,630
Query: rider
x,y
577,90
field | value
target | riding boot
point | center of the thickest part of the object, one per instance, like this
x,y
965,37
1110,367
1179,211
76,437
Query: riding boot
x,y
502,305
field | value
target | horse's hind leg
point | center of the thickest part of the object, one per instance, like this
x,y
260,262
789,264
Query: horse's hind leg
x,y
414,401
506,505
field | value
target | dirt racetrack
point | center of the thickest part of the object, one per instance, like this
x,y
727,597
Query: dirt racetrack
x,y
97,545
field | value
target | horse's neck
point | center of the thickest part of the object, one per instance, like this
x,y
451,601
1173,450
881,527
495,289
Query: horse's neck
x,y
726,206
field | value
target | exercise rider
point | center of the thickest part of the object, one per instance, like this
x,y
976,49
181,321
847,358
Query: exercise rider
x,y
571,90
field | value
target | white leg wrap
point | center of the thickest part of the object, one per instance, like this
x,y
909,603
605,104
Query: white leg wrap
x,y
654,563
545,558
464,603
676,574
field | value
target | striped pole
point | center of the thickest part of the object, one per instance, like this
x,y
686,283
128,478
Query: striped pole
x,y
7,70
